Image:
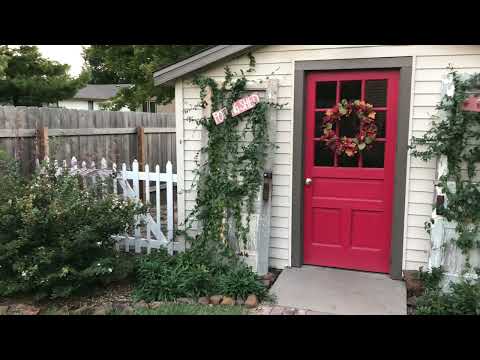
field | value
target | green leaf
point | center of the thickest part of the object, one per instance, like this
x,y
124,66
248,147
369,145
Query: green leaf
x,y
361,146
368,140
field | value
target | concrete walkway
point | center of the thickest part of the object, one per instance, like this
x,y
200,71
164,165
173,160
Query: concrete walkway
x,y
340,292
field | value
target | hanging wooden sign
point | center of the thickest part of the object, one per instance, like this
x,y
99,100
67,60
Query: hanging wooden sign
x,y
245,104
472,103
220,116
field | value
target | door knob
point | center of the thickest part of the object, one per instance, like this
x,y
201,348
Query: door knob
x,y
308,181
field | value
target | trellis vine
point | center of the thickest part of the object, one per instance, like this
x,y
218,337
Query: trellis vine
x,y
229,179
455,135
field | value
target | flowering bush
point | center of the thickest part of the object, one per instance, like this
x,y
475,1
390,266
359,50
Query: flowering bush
x,y
55,236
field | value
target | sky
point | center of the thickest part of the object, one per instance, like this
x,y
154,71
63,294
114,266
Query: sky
x,y
66,54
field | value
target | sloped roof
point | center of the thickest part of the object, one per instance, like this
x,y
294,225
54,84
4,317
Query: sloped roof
x,y
99,92
167,74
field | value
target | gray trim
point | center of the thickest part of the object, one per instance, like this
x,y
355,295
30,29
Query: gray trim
x,y
301,69
197,62
297,167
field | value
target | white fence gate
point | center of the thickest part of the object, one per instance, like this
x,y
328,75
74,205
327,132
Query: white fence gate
x,y
151,231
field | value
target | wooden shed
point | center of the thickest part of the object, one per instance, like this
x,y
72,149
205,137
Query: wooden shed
x,y
363,212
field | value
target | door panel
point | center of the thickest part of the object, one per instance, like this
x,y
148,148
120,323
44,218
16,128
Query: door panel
x,y
348,204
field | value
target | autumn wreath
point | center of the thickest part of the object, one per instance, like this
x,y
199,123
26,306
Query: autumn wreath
x,y
367,131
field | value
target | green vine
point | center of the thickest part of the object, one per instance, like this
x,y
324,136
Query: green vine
x,y
455,135
230,171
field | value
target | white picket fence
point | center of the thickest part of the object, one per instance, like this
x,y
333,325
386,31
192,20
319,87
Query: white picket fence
x,y
148,233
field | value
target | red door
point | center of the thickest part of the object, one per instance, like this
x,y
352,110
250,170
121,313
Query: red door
x,y
348,200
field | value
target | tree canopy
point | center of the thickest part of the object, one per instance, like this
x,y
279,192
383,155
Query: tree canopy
x,y
135,65
28,79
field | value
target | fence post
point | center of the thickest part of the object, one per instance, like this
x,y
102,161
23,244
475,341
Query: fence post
x,y
141,157
42,143
169,202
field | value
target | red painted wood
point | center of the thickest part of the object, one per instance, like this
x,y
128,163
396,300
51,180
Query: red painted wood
x,y
348,210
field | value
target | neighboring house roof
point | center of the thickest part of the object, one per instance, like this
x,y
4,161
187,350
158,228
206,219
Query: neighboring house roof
x,y
196,62
99,92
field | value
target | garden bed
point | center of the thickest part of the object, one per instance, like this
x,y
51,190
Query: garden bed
x,y
118,299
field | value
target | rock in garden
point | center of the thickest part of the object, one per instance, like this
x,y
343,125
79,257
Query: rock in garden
x,y
289,311
228,301
156,304
3,310
216,299
185,301
125,309
140,304
251,301
204,300
23,309
268,276
240,301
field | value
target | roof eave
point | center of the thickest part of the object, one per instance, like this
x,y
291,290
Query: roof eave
x,y
167,75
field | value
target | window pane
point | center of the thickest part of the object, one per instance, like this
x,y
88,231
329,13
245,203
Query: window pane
x,y
351,90
326,94
374,157
145,106
376,92
153,107
349,125
323,155
346,161
380,121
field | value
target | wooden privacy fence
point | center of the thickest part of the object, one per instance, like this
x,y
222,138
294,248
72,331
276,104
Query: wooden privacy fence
x,y
27,133
156,228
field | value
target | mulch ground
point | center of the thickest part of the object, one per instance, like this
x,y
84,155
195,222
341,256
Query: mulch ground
x,y
120,293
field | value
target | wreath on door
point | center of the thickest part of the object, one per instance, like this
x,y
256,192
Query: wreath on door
x,y
367,132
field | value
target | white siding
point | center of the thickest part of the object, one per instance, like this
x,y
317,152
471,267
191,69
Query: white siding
x,y
82,105
277,61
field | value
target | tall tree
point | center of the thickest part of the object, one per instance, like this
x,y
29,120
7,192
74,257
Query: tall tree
x,y
28,79
135,65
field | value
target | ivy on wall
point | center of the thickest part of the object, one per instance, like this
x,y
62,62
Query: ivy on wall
x,y
230,174
456,135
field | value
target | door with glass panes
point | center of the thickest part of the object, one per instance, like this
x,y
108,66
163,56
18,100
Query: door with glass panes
x,y
348,200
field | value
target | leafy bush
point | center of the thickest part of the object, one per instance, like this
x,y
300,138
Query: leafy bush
x,y
55,236
240,282
191,274
431,279
462,298
163,277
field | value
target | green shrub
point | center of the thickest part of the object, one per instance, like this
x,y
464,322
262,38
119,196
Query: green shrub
x,y
163,277
240,281
462,298
191,274
431,279
55,236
